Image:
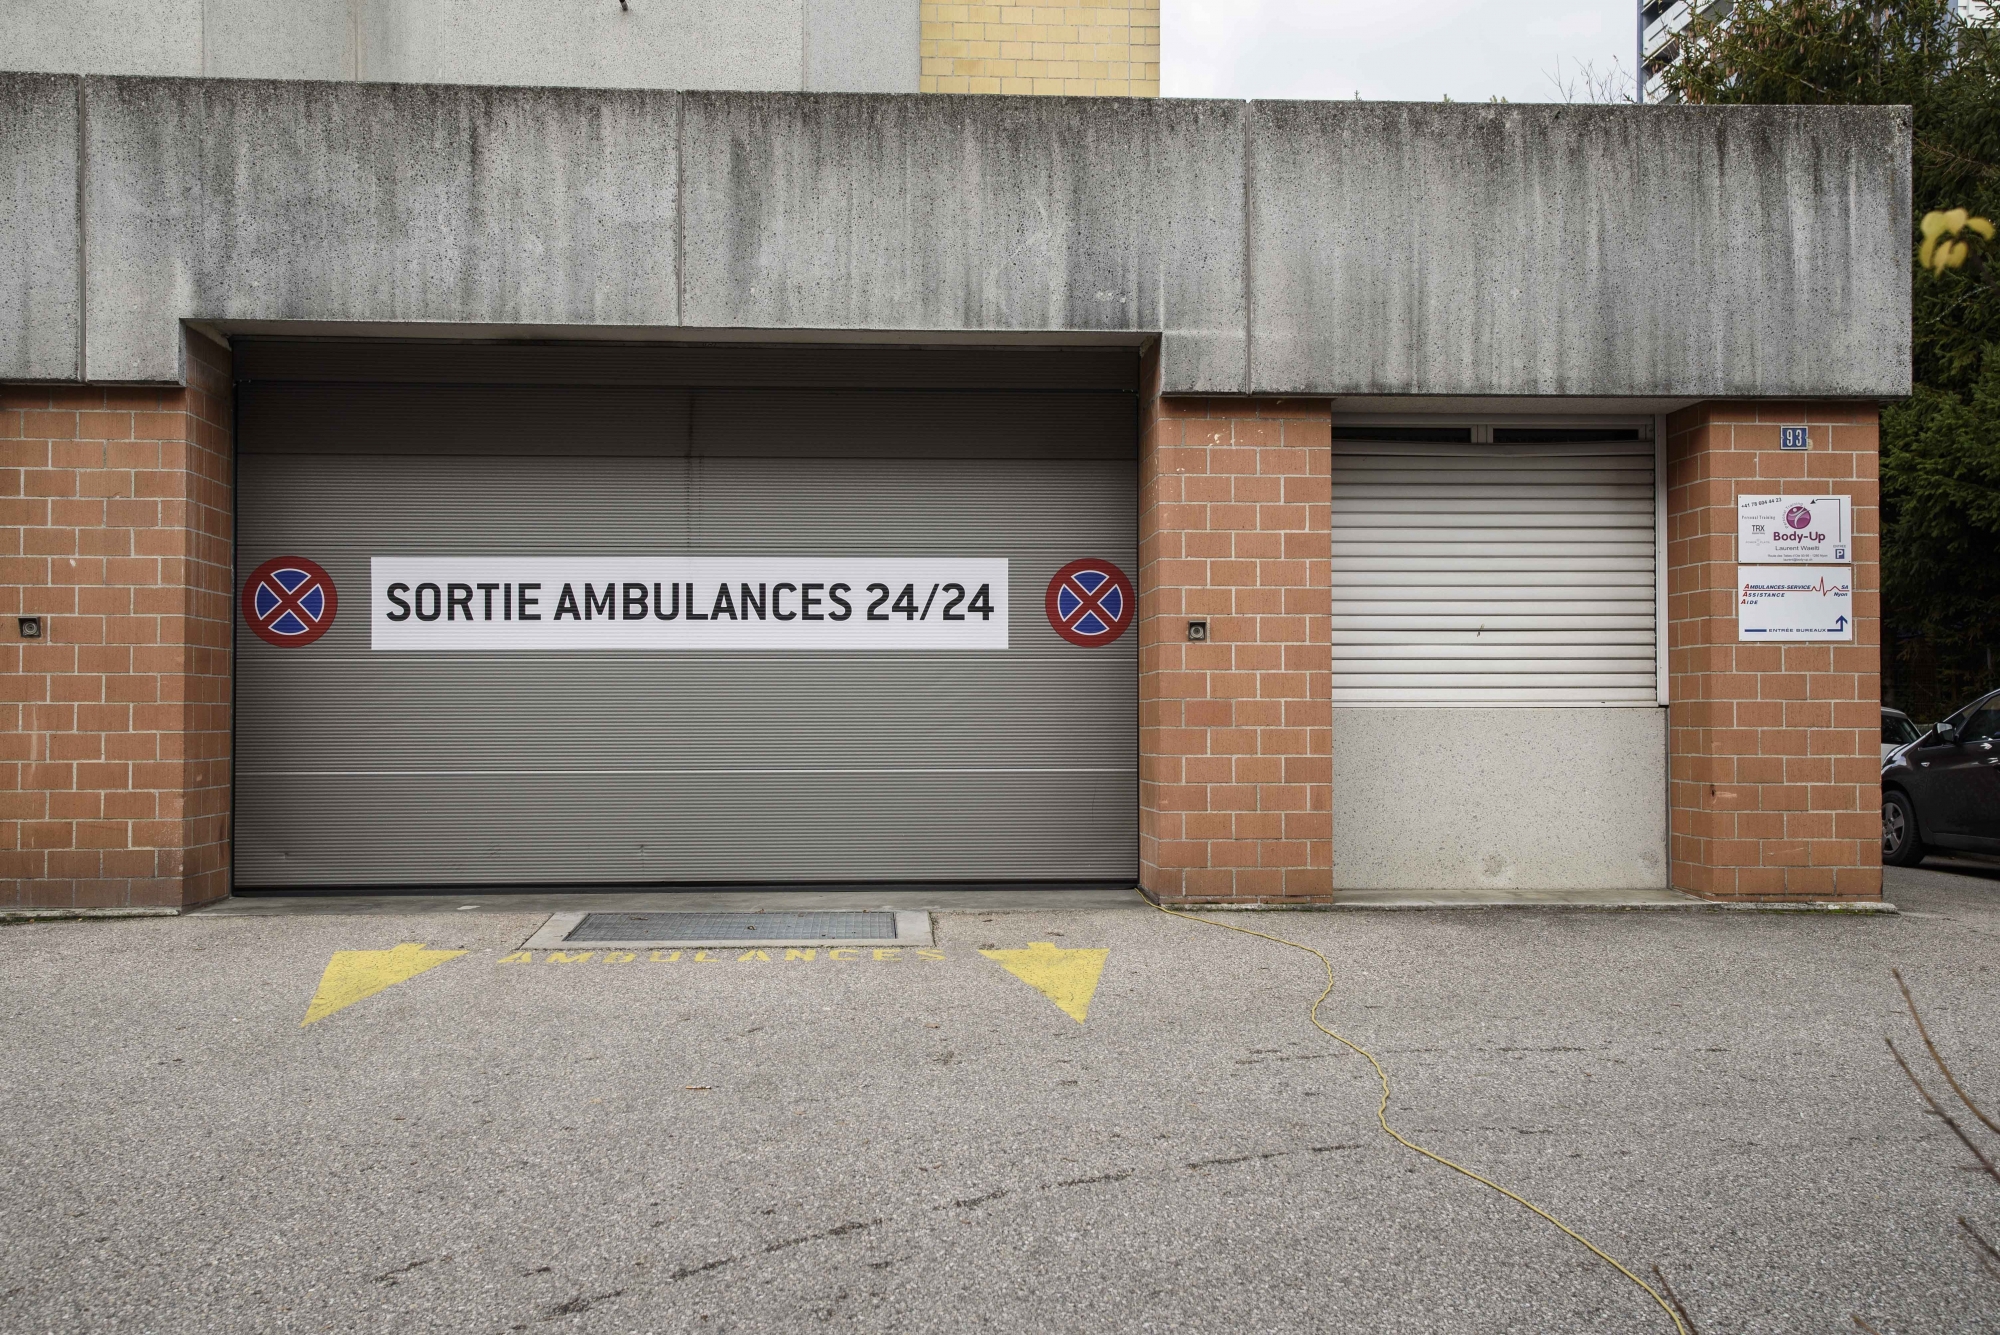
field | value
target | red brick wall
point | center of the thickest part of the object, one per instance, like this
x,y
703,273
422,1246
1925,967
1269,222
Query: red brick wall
x,y
1774,751
117,512
1235,750
117,531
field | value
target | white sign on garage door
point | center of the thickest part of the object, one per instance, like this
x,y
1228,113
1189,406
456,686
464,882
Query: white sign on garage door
x,y
686,602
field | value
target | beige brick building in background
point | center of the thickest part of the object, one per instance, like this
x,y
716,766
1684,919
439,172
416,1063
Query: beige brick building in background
x,y
1111,49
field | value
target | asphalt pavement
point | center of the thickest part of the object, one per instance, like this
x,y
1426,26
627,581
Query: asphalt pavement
x,y
921,1139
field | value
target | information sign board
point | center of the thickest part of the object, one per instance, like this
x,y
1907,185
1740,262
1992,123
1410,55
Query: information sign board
x,y
1794,530
1794,603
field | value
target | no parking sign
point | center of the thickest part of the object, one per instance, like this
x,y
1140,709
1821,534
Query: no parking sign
x,y
1090,602
289,601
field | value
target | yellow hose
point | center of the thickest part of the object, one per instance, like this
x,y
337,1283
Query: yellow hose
x,y
1382,1111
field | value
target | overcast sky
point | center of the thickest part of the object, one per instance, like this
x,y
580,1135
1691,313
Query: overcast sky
x,y
1403,50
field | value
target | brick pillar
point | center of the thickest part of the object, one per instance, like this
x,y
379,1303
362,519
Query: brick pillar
x,y
118,510
1773,748
1235,734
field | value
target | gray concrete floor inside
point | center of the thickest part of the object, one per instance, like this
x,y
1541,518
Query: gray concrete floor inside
x,y
933,1140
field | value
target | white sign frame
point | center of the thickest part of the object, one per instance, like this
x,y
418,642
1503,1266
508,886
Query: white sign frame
x,y
1793,604
476,603
1795,530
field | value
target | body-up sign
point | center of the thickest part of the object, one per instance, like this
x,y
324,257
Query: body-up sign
x,y
430,603
1794,530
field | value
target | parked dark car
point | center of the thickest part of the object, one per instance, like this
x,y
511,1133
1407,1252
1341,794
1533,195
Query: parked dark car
x,y
1897,732
1943,790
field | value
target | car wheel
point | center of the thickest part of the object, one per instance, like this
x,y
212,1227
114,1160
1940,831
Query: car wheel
x,y
1901,845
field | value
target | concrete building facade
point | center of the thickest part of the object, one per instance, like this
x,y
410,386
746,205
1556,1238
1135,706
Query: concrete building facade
x,y
1428,423
835,46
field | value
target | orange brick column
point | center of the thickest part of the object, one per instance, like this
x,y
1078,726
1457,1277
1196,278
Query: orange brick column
x,y
1235,734
117,532
1773,749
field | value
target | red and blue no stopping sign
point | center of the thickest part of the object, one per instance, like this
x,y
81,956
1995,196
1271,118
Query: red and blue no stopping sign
x,y
289,601
1090,602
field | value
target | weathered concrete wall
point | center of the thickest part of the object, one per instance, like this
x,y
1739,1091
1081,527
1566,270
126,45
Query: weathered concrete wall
x,y
1486,799
40,309
956,213
325,201
1509,249
1324,248
829,45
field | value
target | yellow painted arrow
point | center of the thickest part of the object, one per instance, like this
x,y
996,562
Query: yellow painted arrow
x,y
1066,977
353,975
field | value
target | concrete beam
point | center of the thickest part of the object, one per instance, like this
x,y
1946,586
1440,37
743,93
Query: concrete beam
x,y
1276,248
1482,249
40,307
227,199
986,213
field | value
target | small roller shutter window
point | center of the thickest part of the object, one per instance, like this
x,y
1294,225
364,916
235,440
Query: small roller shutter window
x,y
1502,566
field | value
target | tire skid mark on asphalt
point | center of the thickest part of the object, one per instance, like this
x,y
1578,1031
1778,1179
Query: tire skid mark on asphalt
x,y
583,1302
972,1202
1200,1164
1292,1057
783,1244
689,1272
391,1277
998,1193
1119,1176
837,1231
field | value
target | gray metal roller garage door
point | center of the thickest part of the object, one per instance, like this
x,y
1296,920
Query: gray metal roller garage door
x,y
500,765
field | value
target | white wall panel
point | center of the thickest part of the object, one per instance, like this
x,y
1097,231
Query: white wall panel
x,y
1499,799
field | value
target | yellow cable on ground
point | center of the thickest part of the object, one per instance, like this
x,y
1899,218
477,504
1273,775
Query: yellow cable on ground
x,y
1382,1110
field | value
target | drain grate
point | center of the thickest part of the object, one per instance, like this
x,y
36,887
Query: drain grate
x,y
670,928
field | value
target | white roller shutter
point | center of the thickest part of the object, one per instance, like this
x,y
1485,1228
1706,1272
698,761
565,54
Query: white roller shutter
x,y
1469,573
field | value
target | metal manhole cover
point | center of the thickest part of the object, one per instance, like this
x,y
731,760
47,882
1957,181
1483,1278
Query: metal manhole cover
x,y
817,925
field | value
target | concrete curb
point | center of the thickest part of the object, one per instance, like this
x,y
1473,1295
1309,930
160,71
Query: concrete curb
x,y
1880,909
58,915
